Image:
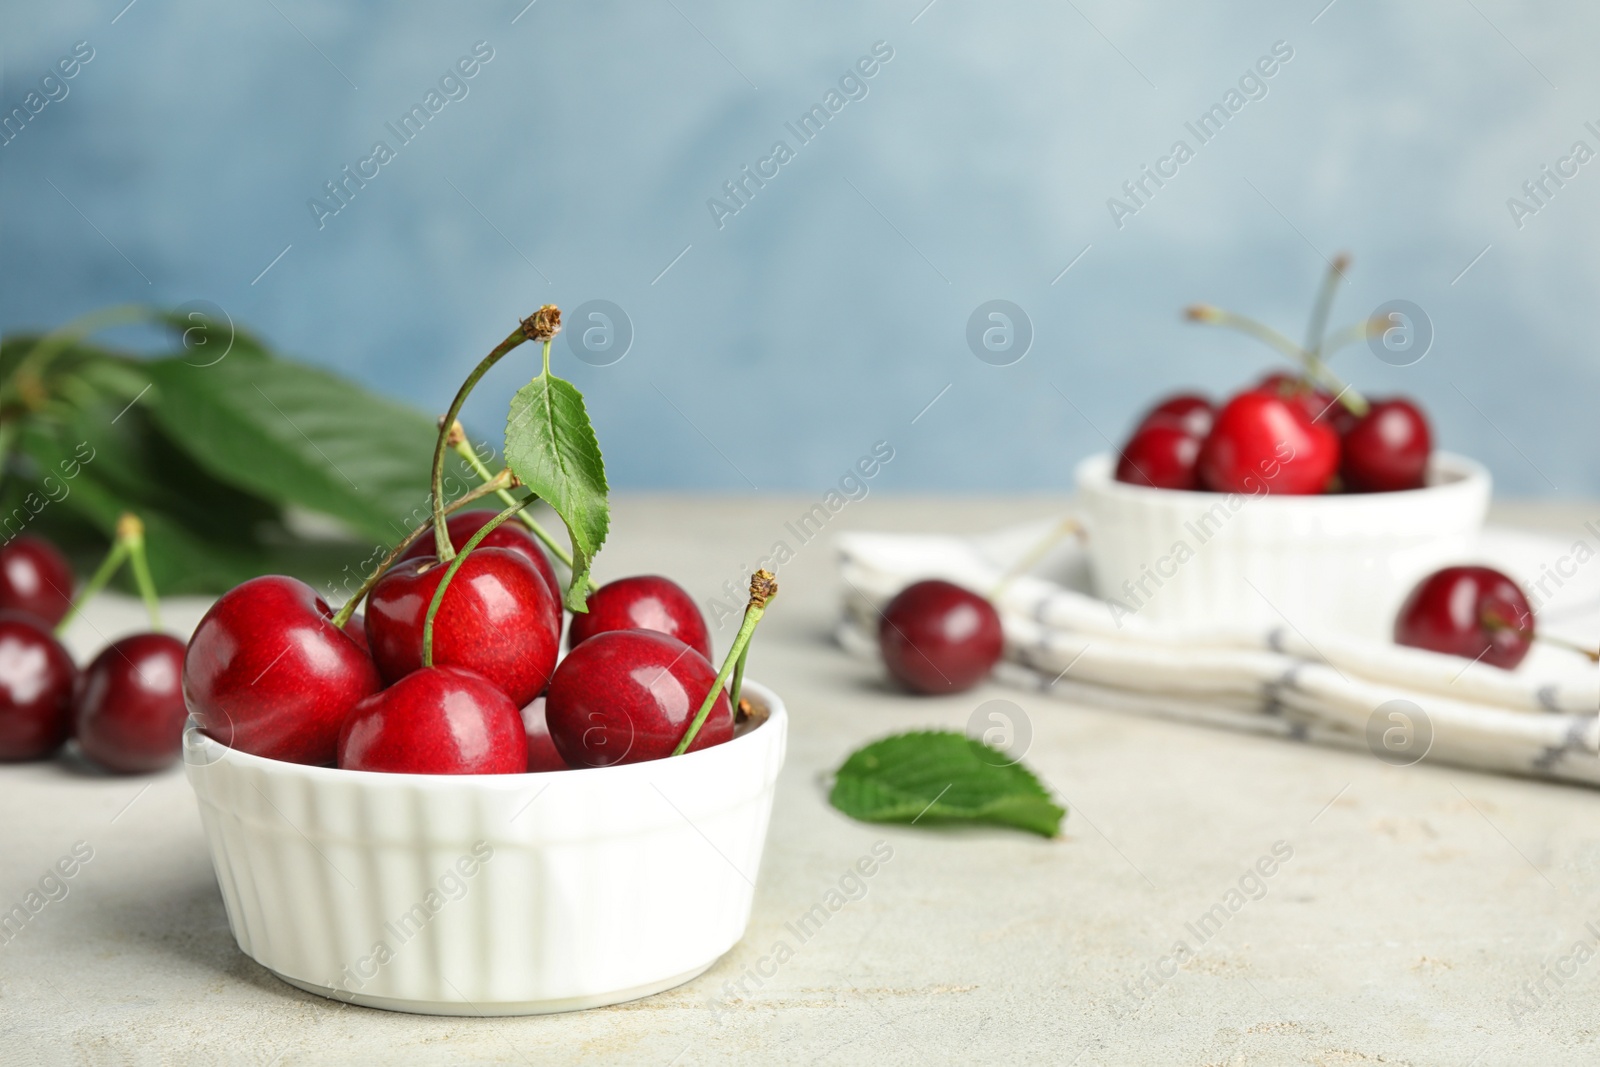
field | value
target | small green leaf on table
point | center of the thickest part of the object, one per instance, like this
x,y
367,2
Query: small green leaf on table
x,y
942,777
551,447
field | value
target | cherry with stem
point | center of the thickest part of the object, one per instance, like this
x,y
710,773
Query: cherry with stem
x,y
763,587
455,565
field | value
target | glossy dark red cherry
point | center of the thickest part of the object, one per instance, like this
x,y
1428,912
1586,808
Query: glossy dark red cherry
x,y
35,578
437,720
1318,404
542,752
130,709
496,620
1189,412
1160,455
643,602
1387,449
1475,612
1265,443
37,680
268,673
626,696
937,637
510,535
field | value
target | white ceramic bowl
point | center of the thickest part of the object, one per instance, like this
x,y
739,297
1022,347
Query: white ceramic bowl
x,y
1338,562
490,894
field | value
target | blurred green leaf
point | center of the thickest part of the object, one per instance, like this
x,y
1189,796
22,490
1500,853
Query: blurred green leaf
x,y
299,435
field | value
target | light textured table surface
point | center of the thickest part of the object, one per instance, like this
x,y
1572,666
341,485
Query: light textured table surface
x,y
1418,908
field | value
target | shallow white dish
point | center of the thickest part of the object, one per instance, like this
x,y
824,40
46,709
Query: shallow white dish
x,y
490,894
1341,561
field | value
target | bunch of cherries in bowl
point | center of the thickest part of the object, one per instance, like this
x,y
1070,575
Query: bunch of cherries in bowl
x,y
1297,433
125,708
271,669
454,668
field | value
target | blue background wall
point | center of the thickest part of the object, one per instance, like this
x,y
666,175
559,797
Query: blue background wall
x,y
832,308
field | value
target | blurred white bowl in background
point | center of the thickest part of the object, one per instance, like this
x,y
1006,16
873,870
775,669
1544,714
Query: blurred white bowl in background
x,y
1336,562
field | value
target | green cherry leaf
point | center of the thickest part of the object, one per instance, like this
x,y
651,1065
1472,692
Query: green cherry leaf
x,y
551,447
942,778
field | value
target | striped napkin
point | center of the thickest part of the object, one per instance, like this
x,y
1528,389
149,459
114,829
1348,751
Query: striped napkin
x,y
1291,679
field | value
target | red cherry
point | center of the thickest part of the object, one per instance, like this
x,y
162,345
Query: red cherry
x,y
37,680
542,752
463,524
268,673
437,720
1318,404
1264,442
1387,449
496,620
626,696
1189,412
36,578
939,638
643,602
1160,455
1468,611
130,709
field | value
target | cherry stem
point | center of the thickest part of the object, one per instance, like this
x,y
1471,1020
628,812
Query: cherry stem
x,y
349,607
455,564
441,533
464,450
738,678
120,548
131,530
1571,646
1032,557
1313,369
762,590
1319,310
1497,624
1354,333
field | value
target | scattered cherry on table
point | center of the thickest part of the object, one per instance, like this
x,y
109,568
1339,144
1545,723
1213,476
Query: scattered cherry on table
x,y
937,637
37,682
1471,611
130,710
35,578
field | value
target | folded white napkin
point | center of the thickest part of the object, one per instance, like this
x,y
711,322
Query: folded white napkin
x,y
1291,680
